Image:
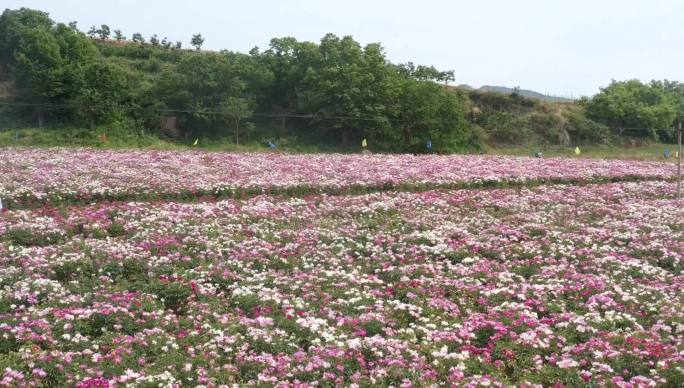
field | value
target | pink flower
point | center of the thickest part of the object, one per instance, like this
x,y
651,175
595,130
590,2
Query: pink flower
x,y
93,383
39,372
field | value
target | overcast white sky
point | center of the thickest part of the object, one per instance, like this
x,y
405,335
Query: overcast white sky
x,y
567,48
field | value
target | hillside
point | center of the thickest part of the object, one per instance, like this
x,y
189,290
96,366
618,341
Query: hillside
x,y
331,93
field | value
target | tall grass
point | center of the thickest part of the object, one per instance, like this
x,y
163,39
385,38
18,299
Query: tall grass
x,y
126,139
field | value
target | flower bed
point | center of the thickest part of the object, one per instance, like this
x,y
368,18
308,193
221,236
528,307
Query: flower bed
x,y
30,177
579,285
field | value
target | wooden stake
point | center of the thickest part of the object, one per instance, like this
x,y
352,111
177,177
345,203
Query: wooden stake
x,y
679,162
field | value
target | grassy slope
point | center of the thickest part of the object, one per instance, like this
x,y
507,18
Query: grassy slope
x,y
86,138
652,151
65,137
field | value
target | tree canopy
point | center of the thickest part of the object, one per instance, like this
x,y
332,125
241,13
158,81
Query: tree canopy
x,y
335,91
633,105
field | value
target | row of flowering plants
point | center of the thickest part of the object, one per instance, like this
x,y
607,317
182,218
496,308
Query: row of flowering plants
x,y
555,285
32,177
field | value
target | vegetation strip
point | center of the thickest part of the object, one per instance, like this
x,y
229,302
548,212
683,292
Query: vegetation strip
x,y
34,177
554,285
99,91
299,191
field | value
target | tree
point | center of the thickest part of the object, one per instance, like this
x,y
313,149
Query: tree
x,y
631,104
345,80
426,73
41,58
352,91
102,93
449,127
138,38
422,109
92,32
119,36
197,41
227,83
104,32
44,60
675,91
413,104
13,25
38,65
289,61
179,45
236,109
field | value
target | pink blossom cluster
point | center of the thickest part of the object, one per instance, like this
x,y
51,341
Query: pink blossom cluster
x,y
40,175
550,285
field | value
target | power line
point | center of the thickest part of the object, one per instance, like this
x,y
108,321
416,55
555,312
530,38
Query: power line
x,y
316,116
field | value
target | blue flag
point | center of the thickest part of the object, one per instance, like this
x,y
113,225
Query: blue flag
x,y
428,145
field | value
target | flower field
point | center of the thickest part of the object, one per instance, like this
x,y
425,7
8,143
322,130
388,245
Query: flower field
x,y
30,176
541,285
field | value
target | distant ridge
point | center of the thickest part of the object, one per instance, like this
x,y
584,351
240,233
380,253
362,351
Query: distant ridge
x,y
522,92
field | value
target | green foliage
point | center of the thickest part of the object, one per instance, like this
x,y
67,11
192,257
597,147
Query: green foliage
x,y
118,136
38,67
138,38
347,81
197,41
29,238
585,130
15,23
115,229
73,270
102,93
333,93
634,105
173,294
104,32
425,110
219,88
9,344
675,91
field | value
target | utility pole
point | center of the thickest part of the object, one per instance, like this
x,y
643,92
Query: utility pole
x,y
679,162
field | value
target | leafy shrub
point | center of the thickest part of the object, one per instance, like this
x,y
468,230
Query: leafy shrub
x,y
116,229
174,294
72,270
582,129
9,344
29,238
482,336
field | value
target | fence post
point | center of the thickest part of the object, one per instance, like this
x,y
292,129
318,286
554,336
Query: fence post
x,y
679,162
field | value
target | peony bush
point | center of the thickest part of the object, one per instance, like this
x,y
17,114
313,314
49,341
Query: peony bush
x,y
550,285
33,177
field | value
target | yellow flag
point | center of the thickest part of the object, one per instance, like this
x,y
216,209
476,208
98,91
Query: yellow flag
x,y
577,151
195,143
364,143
